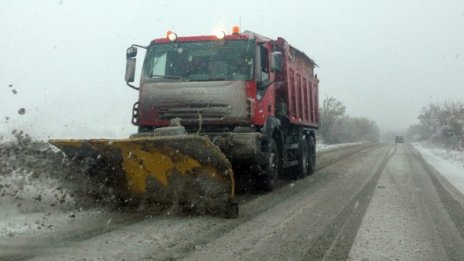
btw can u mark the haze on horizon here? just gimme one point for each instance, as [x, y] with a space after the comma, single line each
[384, 60]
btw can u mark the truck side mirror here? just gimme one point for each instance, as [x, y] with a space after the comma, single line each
[131, 52]
[130, 69]
[276, 61]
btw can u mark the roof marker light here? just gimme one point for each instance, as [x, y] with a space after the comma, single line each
[235, 29]
[220, 35]
[171, 36]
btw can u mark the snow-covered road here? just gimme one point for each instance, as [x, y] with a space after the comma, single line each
[364, 202]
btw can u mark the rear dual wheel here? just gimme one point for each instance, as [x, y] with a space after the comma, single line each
[307, 156]
[312, 156]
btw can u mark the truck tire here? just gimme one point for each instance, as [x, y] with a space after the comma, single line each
[266, 179]
[312, 155]
[303, 167]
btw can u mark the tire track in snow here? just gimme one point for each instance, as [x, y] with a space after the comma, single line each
[336, 240]
[453, 207]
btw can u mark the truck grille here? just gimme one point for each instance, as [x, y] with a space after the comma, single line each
[214, 112]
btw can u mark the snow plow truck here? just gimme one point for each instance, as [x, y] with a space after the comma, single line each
[213, 112]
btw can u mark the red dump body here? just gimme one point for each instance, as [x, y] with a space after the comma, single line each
[302, 88]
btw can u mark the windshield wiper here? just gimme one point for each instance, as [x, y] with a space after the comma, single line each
[176, 77]
[211, 79]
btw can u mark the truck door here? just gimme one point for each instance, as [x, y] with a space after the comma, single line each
[264, 84]
[263, 74]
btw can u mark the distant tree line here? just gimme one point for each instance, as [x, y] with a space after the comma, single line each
[441, 123]
[337, 127]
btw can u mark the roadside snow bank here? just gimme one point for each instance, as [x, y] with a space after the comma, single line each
[449, 163]
[324, 147]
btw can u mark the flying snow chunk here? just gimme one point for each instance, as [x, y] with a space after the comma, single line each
[22, 111]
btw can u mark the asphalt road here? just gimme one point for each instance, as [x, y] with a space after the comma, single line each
[364, 202]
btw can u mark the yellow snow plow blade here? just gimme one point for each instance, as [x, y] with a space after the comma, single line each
[184, 169]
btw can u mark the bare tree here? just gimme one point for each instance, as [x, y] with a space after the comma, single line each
[441, 123]
[330, 111]
[336, 127]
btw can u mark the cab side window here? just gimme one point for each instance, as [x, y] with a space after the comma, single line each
[264, 53]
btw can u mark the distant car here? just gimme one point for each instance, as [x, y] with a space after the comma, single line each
[399, 139]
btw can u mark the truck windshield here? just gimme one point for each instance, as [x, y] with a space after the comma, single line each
[200, 61]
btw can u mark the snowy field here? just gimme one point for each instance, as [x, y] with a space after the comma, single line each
[448, 162]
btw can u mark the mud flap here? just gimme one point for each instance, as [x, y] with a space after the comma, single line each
[187, 170]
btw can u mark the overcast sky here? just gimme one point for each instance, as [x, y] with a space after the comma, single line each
[66, 59]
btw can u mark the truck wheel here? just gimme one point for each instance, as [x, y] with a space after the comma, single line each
[267, 178]
[303, 159]
[312, 155]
